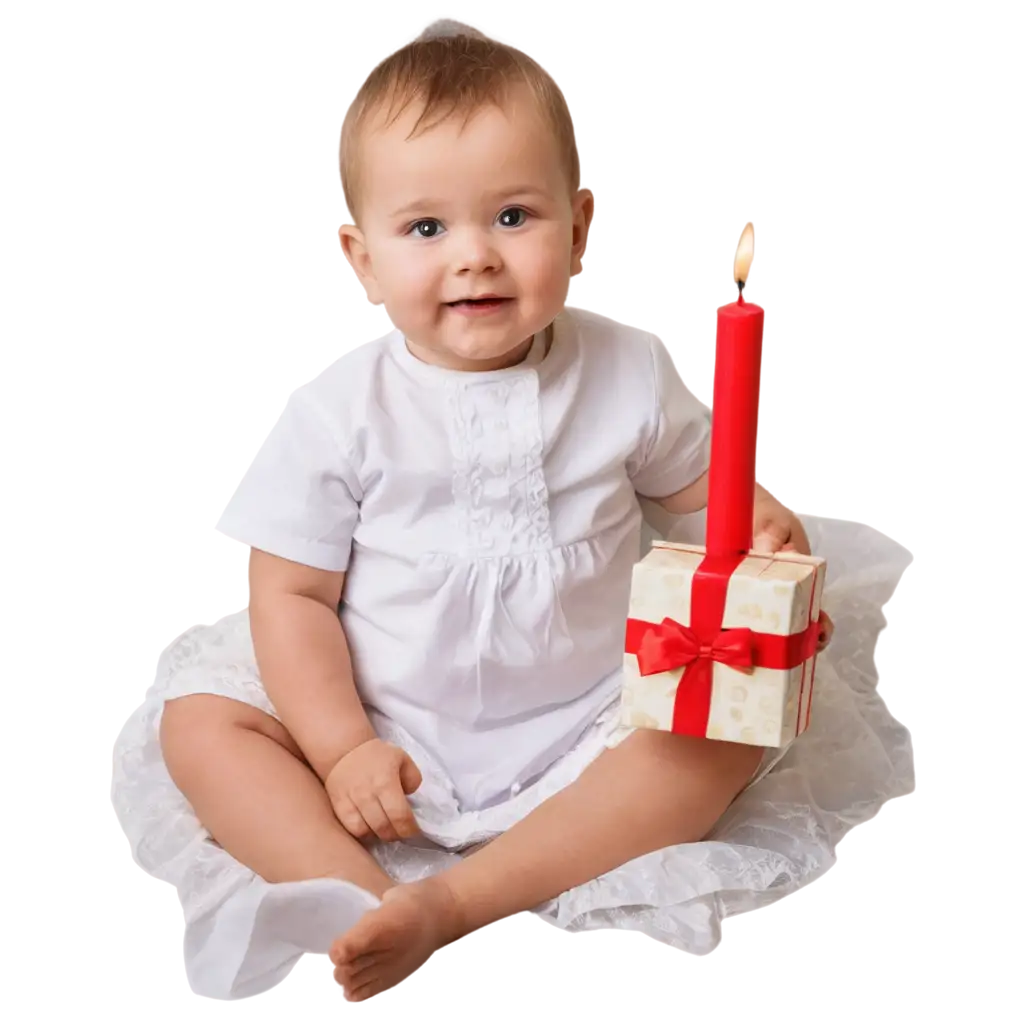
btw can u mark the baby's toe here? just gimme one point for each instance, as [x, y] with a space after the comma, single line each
[347, 949]
[363, 989]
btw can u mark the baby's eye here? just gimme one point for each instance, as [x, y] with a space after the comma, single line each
[428, 223]
[512, 210]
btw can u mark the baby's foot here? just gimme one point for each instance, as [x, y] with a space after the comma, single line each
[389, 943]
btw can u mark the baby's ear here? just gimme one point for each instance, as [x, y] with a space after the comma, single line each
[582, 215]
[354, 248]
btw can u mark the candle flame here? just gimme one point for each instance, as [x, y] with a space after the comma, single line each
[744, 256]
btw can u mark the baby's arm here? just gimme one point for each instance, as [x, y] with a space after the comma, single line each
[306, 669]
[690, 499]
[303, 658]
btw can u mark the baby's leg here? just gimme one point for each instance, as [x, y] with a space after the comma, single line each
[249, 785]
[654, 790]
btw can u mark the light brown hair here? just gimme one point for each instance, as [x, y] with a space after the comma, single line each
[452, 69]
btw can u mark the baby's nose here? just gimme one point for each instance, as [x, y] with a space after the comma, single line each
[477, 251]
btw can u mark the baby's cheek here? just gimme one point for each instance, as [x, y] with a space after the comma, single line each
[414, 299]
[549, 274]
[418, 286]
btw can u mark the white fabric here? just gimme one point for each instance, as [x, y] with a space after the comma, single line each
[488, 523]
[244, 935]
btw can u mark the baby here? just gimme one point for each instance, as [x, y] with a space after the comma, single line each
[442, 528]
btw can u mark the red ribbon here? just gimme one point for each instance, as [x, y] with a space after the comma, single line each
[660, 647]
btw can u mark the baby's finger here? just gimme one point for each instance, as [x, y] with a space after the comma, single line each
[409, 775]
[769, 540]
[377, 818]
[826, 628]
[396, 805]
[352, 821]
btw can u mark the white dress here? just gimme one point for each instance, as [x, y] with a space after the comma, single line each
[487, 524]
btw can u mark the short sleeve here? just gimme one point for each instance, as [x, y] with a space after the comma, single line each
[678, 436]
[300, 497]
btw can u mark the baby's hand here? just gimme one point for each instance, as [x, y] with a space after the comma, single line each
[776, 528]
[368, 788]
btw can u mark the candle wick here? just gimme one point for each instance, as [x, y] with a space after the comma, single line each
[740, 299]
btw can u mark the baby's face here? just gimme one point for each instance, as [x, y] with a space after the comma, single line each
[449, 216]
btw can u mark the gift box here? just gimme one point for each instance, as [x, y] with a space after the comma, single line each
[722, 646]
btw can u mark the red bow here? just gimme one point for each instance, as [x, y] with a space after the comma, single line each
[672, 645]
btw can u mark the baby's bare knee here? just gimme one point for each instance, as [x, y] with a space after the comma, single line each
[187, 724]
[193, 727]
[654, 746]
[183, 716]
[658, 751]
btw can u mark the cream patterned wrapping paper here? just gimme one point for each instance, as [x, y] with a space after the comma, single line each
[776, 594]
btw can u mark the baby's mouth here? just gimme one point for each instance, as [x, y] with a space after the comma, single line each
[477, 302]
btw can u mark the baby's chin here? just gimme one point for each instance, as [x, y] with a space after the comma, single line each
[474, 354]
[475, 348]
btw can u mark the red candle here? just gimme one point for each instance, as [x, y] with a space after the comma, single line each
[734, 416]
